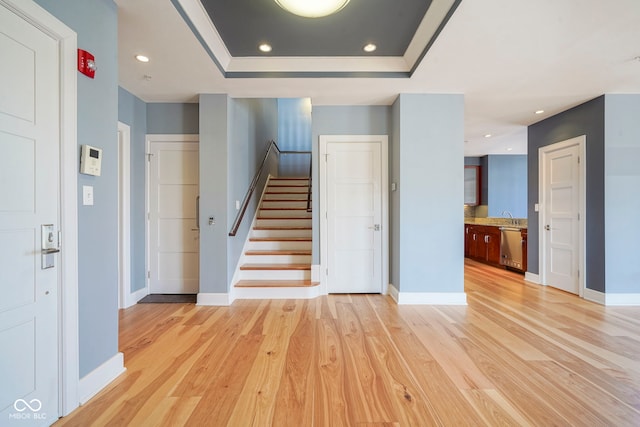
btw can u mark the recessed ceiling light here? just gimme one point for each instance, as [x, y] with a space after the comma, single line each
[509, 149]
[539, 111]
[265, 47]
[142, 58]
[370, 47]
[312, 8]
[488, 135]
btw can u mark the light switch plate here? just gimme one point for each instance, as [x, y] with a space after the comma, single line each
[87, 195]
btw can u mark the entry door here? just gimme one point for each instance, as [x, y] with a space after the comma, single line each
[561, 203]
[29, 197]
[174, 239]
[354, 216]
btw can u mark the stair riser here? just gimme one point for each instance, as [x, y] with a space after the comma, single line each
[289, 196]
[283, 213]
[277, 259]
[278, 245]
[297, 189]
[281, 233]
[284, 222]
[275, 275]
[283, 205]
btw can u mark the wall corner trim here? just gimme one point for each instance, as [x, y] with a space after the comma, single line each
[532, 278]
[214, 299]
[594, 296]
[621, 300]
[393, 292]
[432, 298]
[99, 378]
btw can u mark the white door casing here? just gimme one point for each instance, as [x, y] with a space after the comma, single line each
[124, 219]
[34, 118]
[353, 213]
[562, 196]
[173, 232]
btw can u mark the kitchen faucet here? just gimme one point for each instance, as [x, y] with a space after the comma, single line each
[505, 213]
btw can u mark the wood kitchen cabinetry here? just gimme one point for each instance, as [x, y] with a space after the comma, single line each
[523, 234]
[482, 243]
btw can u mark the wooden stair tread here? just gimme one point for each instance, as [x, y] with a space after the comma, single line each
[275, 267]
[276, 228]
[284, 200]
[287, 185]
[275, 283]
[280, 239]
[283, 208]
[289, 178]
[283, 217]
[280, 252]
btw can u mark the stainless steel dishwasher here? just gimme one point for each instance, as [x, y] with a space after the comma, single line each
[511, 247]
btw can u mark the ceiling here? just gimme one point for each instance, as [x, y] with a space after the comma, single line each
[509, 58]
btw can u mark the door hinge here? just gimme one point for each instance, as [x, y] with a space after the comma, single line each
[148, 216]
[149, 156]
[327, 271]
[578, 159]
[148, 274]
[578, 216]
[326, 157]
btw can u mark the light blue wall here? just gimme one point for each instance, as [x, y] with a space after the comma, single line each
[214, 130]
[96, 23]
[294, 124]
[622, 201]
[430, 135]
[394, 196]
[341, 120]
[233, 137]
[507, 186]
[133, 112]
[172, 118]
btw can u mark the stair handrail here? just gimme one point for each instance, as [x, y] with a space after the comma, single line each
[254, 183]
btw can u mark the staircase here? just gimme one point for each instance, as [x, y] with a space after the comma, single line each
[277, 258]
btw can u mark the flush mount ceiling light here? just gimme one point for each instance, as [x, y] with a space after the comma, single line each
[312, 8]
[142, 58]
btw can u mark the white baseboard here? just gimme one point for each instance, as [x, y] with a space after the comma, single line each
[622, 299]
[214, 299]
[594, 296]
[532, 277]
[392, 291]
[432, 298]
[315, 273]
[99, 378]
[135, 296]
[278, 293]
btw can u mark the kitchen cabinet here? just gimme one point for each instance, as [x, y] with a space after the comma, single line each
[482, 243]
[472, 185]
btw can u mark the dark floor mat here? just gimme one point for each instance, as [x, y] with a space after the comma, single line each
[169, 298]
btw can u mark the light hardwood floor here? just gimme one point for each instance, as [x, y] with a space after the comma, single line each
[518, 354]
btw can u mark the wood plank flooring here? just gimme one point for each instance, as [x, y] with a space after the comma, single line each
[517, 355]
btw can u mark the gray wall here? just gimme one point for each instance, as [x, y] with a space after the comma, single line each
[233, 137]
[429, 134]
[294, 124]
[133, 112]
[96, 23]
[341, 120]
[586, 119]
[622, 184]
[507, 185]
[172, 118]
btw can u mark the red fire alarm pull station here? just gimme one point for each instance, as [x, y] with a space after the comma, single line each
[86, 63]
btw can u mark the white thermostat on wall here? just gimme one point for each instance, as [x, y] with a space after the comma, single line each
[90, 160]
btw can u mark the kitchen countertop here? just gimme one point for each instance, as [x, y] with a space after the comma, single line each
[521, 223]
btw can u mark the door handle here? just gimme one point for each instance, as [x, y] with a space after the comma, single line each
[197, 214]
[376, 227]
[50, 251]
[547, 227]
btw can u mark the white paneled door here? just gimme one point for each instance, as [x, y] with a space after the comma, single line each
[174, 236]
[29, 198]
[354, 216]
[561, 203]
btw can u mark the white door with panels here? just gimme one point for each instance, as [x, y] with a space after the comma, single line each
[561, 199]
[173, 234]
[29, 218]
[355, 221]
